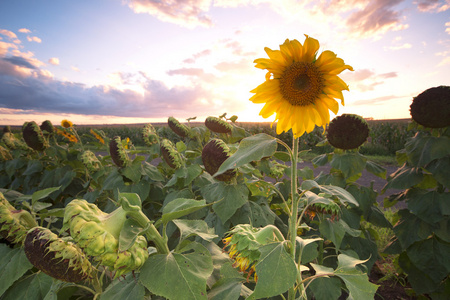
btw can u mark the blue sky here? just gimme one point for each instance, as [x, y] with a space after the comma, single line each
[134, 61]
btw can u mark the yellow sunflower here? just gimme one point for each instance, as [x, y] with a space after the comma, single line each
[66, 123]
[300, 88]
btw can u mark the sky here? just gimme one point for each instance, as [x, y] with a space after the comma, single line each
[142, 61]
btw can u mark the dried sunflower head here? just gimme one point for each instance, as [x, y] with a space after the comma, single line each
[149, 135]
[213, 155]
[33, 136]
[170, 154]
[117, 152]
[218, 125]
[431, 108]
[347, 131]
[180, 129]
[90, 161]
[47, 127]
[56, 257]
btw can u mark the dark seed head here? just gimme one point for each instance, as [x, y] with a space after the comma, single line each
[431, 108]
[180, 129]
[347, 131]
[33, 136]
[213, 155]
[218, 125]
[48, 127]
[170, 154]
[117, 152]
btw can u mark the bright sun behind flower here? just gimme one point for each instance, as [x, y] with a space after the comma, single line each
[300, 88]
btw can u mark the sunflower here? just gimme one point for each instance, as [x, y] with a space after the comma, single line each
[300, 88]
[66, 123]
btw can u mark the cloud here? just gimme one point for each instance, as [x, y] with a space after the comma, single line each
[375, 101]
[377, 17]
[11, 35]
[20, 61]
[54, 61]
[448, 27]
[190, 14]
[432, 6]
[76, 69]
[364, 80]
[34, 39]
[198, 55]
[404, 46]
[24, 30]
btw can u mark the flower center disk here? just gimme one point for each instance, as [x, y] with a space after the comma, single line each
[301, 83]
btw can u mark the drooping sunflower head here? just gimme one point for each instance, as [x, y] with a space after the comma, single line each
[213, 155]
[170, 154]
[300, 88]
[90, 161]
[347, 131]
[98, 134]
[431, 108]
[180, 129]
[218, 125]
[47, 126]
[117, 152]
[149, 135]
[33, 136]
[66, 123]
[56, 257]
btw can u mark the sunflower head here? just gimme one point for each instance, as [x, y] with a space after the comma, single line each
[149, 135]
[431, 108]
[99, 135]
[66, 123]
[33, 136]
[213, 155]
[90, 161]
[242, 244]
[180, 129]
[300, 88]
[218, 125]
[47, 127]
[5, 154]
[347, 131]
[170, 154]
[55, 256]
[7, 129]
[117, 152]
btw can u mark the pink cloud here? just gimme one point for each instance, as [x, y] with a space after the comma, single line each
[54, 61]
[34, 39]
[24, 30]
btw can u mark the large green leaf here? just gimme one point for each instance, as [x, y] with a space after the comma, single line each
[33, 287]
[127, 288]
[229, 286]
[333, 231]
[178, 275]
[376, 169]
[326, 288]
[276, 271]
[152, 172]
[427, 204]
[340, 193]
[307, 248]
[357, 282]
[250, 149]
[440, 168]
[13, 264]
[404, 178]
[34, 166]
[180, 207]
[421, 282]
[410, 228]
[258, 214]
[423, 149]
[350, 164]
[228, 198]
[133, 171]
[194, 227]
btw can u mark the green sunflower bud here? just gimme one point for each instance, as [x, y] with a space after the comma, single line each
[431, 108]
[47, 127]
[14, 223]
[180, 129]
[5, 154]
[347, 131]
[243, 242]
[55, 256]
[170, 154]
[149, 135]
[213, 155]
[97, 233]
[117, 152]
[331, 208]
[90, 161]
[33, 136]
[218, 125]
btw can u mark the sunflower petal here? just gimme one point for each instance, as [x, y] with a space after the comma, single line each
[310, 48]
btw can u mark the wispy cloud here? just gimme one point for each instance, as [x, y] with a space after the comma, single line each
[364, 80]
[54, 61]
[34, 39]
[189, 14]
[432, 6]
[8, 33]
[24, 30]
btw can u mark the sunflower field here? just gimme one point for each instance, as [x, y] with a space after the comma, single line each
[218, 211]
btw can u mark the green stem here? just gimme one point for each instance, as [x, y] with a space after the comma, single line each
[294, 209]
